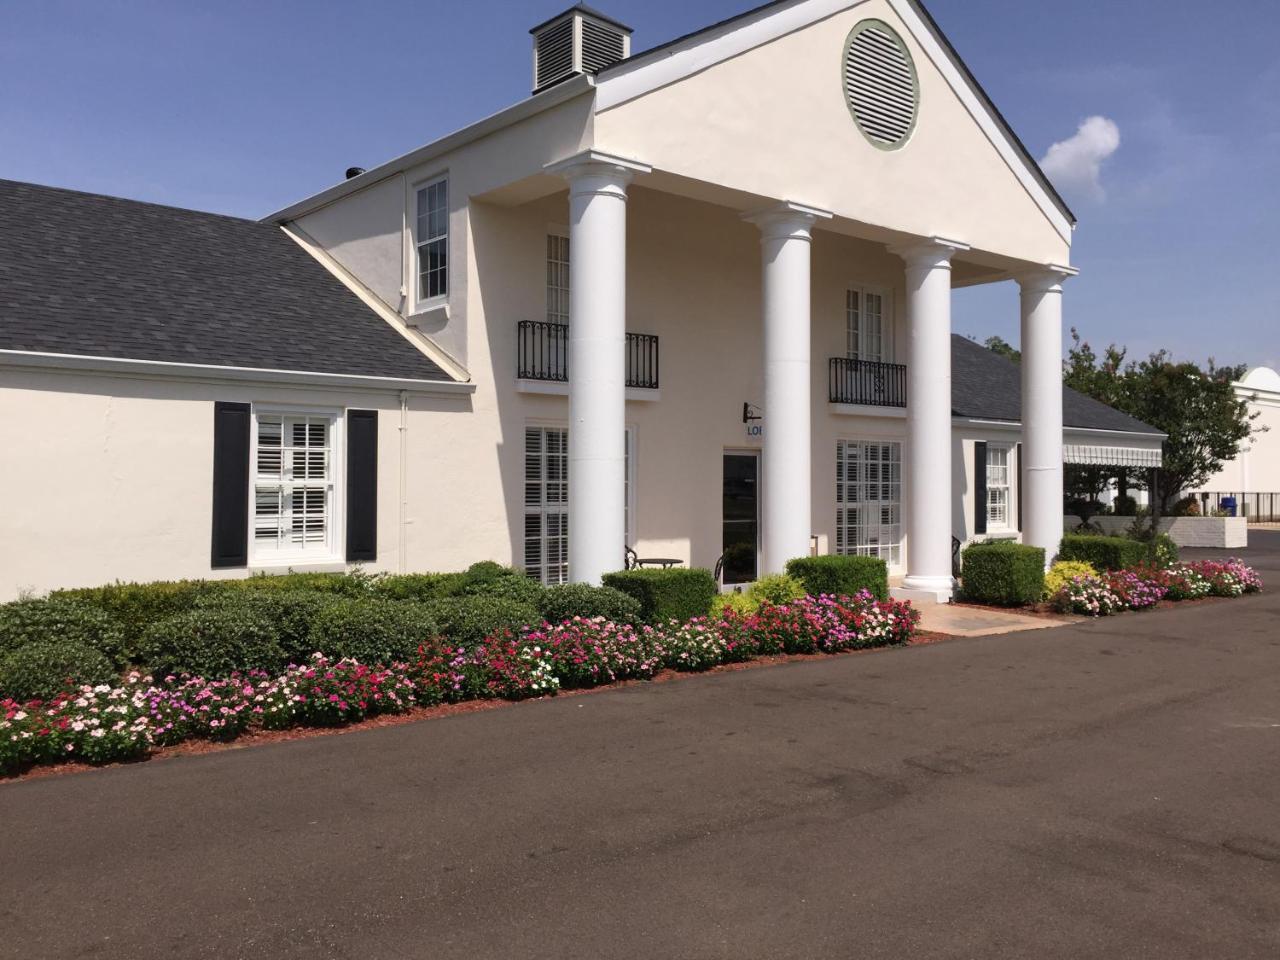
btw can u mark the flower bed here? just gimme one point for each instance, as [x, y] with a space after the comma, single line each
[127, 720]
[1141, 588]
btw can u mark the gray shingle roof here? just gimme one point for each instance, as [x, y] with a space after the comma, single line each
[102, 276]
[986, 386]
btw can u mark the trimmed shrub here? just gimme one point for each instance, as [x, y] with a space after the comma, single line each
[776, 588]
[1104, 553]
[139, 605]
[60, 620]
[569, 600]
[374, 632]
[293, 612]
[841, 576]
[487, 579]
[1063, 572]
[736, 602]
[214, 642]
[677, 593]
[466, 621]
[44, 669]
[1005, 574]
[354, 584]
[418, 586]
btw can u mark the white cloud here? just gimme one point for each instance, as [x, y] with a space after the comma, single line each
[1075, 164]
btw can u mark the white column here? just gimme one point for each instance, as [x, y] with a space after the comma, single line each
[597, 360]
[928, 448]
[786, 493]
[1042, 408]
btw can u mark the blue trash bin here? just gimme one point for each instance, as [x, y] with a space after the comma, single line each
[1228, 504]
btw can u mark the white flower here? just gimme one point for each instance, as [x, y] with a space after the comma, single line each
[97, 733]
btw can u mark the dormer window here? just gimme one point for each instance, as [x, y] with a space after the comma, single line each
[432, 240]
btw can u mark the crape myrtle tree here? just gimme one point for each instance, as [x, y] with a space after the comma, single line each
[1197, 408]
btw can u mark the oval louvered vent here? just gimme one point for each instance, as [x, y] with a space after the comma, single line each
[880, 84]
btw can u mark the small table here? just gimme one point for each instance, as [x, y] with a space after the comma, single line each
[663, 562]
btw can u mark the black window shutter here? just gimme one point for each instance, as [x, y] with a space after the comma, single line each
[231, 429]
[979, 486]
[362, 485]
[1017, 478]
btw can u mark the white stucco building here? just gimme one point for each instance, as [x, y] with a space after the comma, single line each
[547, 337]
[1253, 477]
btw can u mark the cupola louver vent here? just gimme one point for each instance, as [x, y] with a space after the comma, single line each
[580, 40]
[880, 84]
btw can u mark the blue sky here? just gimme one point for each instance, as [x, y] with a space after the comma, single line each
[241, 107]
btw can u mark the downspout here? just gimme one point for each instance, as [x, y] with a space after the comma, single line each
[404, 479]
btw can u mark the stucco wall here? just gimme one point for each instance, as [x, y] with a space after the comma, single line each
[369, 232]
[115, 479]
[1256, 469]
[1227, 533]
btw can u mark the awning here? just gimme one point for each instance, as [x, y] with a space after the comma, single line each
[1090, 455]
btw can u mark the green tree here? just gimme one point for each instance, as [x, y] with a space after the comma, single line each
[1197, 408]
[1001, 346]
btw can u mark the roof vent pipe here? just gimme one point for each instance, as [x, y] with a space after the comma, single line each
[580, 40]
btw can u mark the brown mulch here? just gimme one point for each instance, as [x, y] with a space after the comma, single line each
[1042, 610]
[259, 737]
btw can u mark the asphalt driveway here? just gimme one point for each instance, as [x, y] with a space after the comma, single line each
[1105, 790]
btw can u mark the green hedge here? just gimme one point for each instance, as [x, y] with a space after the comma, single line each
[418, 586]
[292, 612]
[1105, 553]
[214, 642]
[47, 667]
[1005, 574]
[373, 631]
[674, 594]
[139, 605]
[469, 620]
[569, 600]
[60, 619]
[841, 576]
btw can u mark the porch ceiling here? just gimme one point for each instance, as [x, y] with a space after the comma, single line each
[970, 268]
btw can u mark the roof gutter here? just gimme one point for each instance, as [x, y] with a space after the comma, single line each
[212, 373]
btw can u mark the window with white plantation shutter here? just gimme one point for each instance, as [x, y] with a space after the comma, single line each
[998, 486]
[546, 501]
[880, 84]
[869, 499]
[293, 488]
[546, 504]
[867, 338]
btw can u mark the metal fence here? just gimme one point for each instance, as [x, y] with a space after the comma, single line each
[867, 382]
[543, 354]
[1257, 507]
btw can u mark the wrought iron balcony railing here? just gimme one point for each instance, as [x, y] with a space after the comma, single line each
[867, 382]
[543, 354]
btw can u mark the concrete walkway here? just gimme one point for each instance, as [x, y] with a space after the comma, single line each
[965, 621]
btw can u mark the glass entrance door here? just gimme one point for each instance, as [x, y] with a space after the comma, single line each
[741, 513]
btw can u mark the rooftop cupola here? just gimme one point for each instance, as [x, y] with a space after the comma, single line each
[580, 40]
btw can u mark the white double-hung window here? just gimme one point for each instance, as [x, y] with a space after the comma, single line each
[998, 486]
[431, 239]
[557, 278]
[869, 499]
[294, 487]
[866, 324]
[546, 501]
